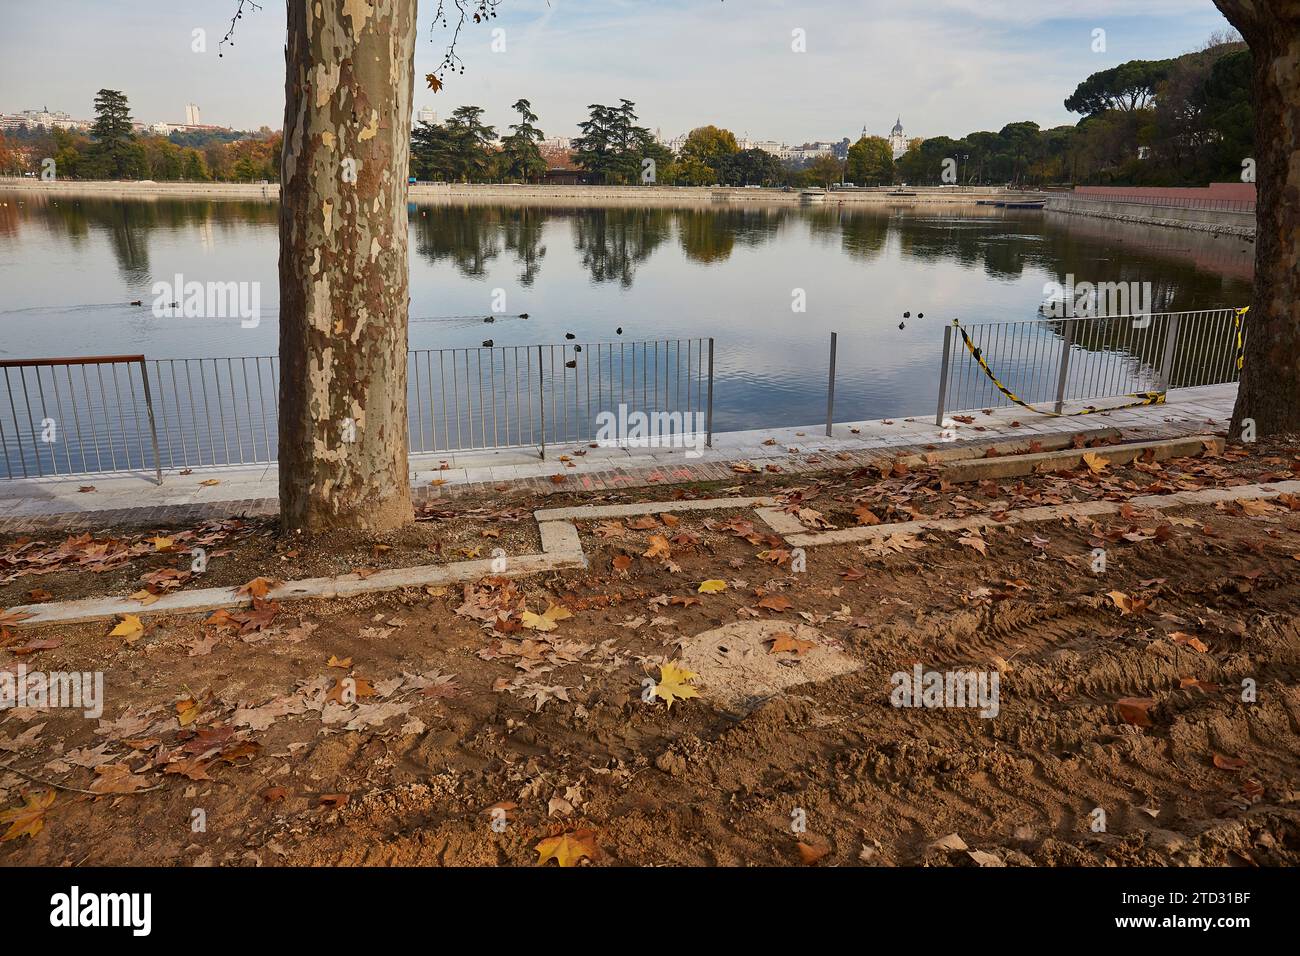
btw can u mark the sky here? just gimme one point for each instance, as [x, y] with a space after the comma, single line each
[946, 67]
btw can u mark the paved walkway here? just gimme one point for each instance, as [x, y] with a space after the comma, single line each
[135, 499]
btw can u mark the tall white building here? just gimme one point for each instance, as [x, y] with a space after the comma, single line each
[192, 115]
[897, 139]
[427, 115]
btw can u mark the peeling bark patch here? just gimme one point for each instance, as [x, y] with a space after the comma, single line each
[359, 11]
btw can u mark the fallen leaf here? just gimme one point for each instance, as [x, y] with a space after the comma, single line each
[1135, 710]
[712, 586]
[547, 620]
[129, 628]
[1096, 464]
[568, 848]
[788, 642]
[674, 683]
[29, 819]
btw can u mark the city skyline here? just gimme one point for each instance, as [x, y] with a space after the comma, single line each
[567, 54]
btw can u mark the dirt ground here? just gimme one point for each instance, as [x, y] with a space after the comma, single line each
[1148, 713]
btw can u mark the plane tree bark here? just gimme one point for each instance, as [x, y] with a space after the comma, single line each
[343, 264]
[1270, 382]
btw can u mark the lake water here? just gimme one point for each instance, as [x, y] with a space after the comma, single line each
[70, 267]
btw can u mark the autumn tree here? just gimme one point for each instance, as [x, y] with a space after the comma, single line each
[343, 264]
[1269, 393]
[871, 161]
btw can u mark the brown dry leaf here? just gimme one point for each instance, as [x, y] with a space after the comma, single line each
[776, 602]
[865, 515]
[1126, 604]
[1228, 763]
[86, 489]
[117, 778]
[333, 800]
[38, 595]
[192, 768]
[335, 661]
[810, 853]
[31, 647]
[210, 482]
[259, 587]
[610, 529]
[788, 642]
[1136, 710]
[1178, 637]
[644, 523]
[974, 541]
[275, 794]
[29, 819]
[568, 848]
[10, 618]
[621, 562]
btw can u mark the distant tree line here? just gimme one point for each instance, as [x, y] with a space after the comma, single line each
[1182, 121]
[1177, 122]
[111, 149]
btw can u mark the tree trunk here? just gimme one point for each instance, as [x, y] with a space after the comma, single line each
[1270, 381]
[343, 264]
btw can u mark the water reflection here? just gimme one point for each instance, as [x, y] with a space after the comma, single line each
[70, 268]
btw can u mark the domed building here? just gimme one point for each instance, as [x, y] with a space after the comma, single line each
[897, 139]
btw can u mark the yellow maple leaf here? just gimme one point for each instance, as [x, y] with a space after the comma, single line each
[712, 586]
[674, 683]
[129, 628]
[29, 819]
[546, 621]
[568, 848]
[1096, 464]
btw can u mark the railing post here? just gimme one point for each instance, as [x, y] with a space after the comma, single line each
[153, 427]
[830, 387]
[708, 441]
[943, 375]
[1167, 360]
[1067, 340]
[541, 401]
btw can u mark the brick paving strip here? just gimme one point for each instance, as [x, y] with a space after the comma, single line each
[54, 504]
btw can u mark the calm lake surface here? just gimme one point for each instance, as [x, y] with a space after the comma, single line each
[70, 267]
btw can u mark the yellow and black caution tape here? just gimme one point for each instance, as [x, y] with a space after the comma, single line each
[1238, 315]
[1143, 398]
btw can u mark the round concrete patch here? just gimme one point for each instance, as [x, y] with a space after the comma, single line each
[737, 670]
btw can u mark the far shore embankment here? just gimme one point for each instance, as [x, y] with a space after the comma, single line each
[507, 193]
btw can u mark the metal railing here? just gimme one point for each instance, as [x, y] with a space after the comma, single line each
[51, 407]
[121, 413]
[1086, 359]
[535, 395]
[1180, 202]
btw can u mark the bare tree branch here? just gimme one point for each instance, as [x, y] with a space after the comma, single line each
[239, 15]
